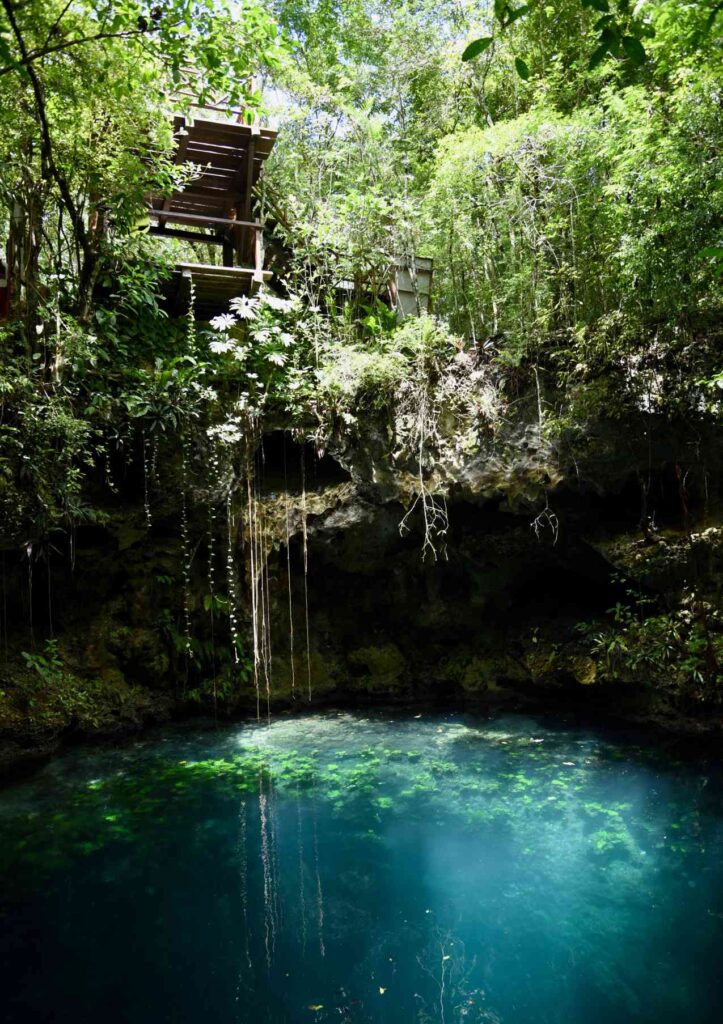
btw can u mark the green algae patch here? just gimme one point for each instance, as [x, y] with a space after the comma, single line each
[479, 778]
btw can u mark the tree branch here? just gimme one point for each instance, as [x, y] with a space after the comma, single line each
[56, 23]
[30, 56]
[47, 153]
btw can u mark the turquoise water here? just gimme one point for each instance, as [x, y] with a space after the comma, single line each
[364, 868]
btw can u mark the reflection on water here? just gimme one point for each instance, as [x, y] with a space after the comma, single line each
[359, 868]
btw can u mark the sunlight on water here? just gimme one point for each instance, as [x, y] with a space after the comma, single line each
[365, 868]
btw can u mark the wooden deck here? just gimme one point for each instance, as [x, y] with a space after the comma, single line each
[216, 207]
[214, 287]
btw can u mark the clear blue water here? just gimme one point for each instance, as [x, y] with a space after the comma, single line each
[364, 868]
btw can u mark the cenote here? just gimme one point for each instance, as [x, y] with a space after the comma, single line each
[365, 867]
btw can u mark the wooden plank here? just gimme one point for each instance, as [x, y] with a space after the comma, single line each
[223, 172]
[188, 236]
[215, 269]
[212, 170]
[197, 218]
[213, 198]
[224, 160]
[203, 127]
[182, 200]
[216, 149]
[231, 129]
[231, 136]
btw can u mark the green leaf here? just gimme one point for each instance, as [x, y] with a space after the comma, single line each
[522, 69]
[518, 12]
[501, 7]
[598, 56]
[634, 49]
[610, 35]
[598, 5]
[610, 38]
[477, 47]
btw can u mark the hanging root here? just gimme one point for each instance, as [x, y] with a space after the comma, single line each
[232, 581]
[434, 510]
[254, 593]
[317, 871]
[185, 541]
[302, 889]
[546, 520]
[436, 523]
[265, 592]
[288, 577]
[268, 880]
[214, 467]
[243, 879]
[146, 475]
[306, 571]
[186, 552]
[259, 548]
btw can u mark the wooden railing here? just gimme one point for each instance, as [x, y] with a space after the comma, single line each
[248, 244]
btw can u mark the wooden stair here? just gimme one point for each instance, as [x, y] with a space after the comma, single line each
[216, 207]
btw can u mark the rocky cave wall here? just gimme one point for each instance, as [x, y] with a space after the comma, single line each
[493, 618]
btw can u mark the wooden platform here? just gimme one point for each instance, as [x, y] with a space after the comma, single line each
[215, 286]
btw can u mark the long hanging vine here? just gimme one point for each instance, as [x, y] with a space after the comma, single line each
[185, 552]
[243, 881]
[266, 604]
[146, 483]
[231, 579]
[306, 570]
[302, 886]
[259, 584]
[257, 657]
[185, 538]
[418, 409]
[213, 465]
[288, 577]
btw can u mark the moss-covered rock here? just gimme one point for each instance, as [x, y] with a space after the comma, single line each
[381, 668]
[584, 669]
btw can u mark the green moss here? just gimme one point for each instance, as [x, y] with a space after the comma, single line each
[383, 667]
[480, 672]
[583, 669]
[44, 699]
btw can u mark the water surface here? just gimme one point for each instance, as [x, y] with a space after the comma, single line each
[364, 868]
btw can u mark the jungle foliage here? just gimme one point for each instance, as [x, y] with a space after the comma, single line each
[565, 177]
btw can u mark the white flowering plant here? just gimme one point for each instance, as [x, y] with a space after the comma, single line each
[256, 342]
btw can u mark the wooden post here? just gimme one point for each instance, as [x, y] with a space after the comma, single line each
[258, 255]
[246, 245]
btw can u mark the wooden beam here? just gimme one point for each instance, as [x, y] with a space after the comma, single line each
[197, 218]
